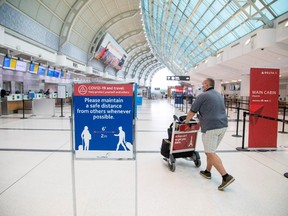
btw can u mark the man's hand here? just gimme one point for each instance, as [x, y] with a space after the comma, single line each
[187, 127]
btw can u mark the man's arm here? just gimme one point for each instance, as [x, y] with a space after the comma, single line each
[190, 115]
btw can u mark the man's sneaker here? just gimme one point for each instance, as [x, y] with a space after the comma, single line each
[229, 180]
[205, 174]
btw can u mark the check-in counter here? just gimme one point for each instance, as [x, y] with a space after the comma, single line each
[14, 102]
[45, 106]
[39, 96]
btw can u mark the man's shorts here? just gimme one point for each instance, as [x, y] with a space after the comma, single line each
[212, 138]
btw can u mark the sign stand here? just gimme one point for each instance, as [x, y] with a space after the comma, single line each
[61, 93]
[61, 108]
[103, 125]
[23, 103]
[73, 182]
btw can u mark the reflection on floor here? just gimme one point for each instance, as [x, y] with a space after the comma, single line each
[39, 176]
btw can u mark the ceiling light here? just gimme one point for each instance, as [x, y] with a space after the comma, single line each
[247, 42]
[286, 24]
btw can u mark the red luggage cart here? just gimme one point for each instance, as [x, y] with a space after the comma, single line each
[181, 142]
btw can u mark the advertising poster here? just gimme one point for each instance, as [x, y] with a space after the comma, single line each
[264, 91]
[111, 53]
[179, 94]
[185, 140]
[103, 121]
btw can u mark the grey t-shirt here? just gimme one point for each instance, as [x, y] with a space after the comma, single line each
[211, 110]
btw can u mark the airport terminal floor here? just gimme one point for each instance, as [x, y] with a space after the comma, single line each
[39, 176]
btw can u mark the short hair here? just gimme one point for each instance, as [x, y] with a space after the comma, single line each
[210, 81]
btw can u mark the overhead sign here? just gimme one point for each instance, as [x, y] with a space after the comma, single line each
[178, 78]
[103, 120]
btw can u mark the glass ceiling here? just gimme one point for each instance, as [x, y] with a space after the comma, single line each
[182, 33]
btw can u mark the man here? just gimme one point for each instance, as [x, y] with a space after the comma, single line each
[213, 121]
[3, 93]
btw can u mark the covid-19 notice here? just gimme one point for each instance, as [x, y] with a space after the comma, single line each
[103, 120]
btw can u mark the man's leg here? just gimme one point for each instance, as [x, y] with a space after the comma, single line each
[211, 140]
[214, 160]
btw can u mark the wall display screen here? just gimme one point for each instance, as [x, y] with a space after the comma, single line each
[63, 74]
[111, 53]
[33, 68]
[9, 63]
[56, 73]
[68, 75]
[41, 70]
[50, 72]
[21, 65]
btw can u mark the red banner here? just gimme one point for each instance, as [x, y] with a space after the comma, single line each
[186, 138]
[179, 89]
[88, 89]
[264, 91]
[184, 141]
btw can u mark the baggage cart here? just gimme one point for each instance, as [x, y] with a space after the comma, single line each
[181, 142]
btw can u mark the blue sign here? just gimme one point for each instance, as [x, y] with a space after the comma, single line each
[103, 120]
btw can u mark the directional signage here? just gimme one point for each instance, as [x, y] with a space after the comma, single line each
[178, 78]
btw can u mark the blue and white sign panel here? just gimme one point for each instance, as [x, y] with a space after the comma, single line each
[103, 121]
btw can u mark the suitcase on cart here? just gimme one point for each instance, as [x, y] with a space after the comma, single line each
[181, 142]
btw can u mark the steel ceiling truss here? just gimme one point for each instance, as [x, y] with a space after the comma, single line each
[146, 67]
[132, 59]
[183, 36]
[143, 60]
[155, 67]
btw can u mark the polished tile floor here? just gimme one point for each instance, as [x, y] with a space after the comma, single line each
[39, 176]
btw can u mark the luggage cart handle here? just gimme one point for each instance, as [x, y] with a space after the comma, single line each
[175, 118]
[183, 121]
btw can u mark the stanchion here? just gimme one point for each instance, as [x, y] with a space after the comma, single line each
[227, 108]
[231, 104]
[243, 134]
[237, 124]
[61, 108]
[23, 108]
[283, 123]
